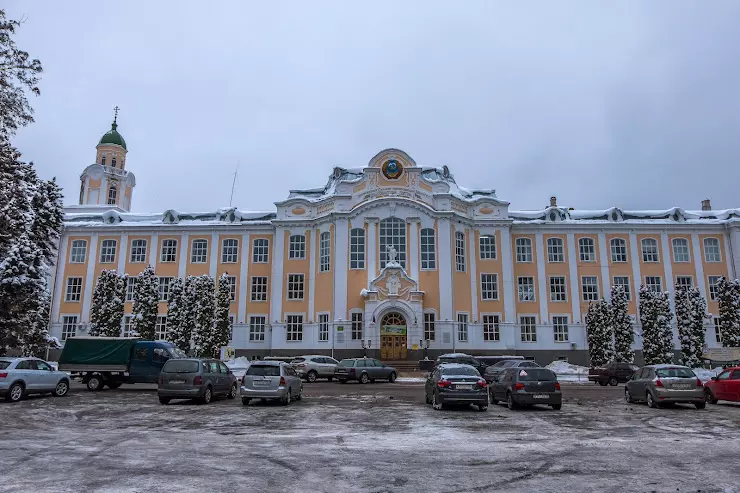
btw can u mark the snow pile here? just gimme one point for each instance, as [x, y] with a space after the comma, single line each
[238, 366]
[411, 380]
[705, 375]
[565, 368]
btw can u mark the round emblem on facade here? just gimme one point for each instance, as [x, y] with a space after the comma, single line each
[392, 169]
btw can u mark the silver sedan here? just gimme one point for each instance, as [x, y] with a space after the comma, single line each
[23, 376]
[665, 384]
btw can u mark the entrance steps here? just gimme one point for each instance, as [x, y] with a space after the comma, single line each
[404, 365]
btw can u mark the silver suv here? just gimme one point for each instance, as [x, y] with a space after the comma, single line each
[23, 376]
[313, 366]
[272, 380]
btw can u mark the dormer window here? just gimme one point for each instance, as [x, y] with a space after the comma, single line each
[102, 160]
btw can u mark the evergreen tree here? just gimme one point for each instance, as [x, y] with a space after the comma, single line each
[222, 332]
[657, 335]
[684, 325]
[179, 330]
[146, 301]
[37, 340]
[699, 314]
[48, 216]
[729, 311]
[202, 299]
[621, 323]
[106, 311]
[599, 334]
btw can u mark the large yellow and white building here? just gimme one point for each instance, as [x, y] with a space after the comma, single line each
[393, 256]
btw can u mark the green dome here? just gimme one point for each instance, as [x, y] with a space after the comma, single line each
[113, 137]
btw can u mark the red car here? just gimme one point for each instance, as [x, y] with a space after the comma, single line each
[725, 386]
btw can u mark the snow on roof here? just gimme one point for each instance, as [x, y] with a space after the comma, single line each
[113, 217]
[615, 214]
[339, 175]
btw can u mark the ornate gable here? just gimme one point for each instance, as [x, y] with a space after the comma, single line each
[393, 283]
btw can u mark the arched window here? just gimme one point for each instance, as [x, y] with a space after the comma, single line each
[587, 249]
[680, 250]
[393, 318]
[102, 160]
[649, 250]
[113, 162]
[393, 233]
[297, 247]
[619, 250]
[112, 195]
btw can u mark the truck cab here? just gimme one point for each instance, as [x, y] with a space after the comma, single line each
[148, 359]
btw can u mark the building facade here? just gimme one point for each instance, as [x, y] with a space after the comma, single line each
[393, 260]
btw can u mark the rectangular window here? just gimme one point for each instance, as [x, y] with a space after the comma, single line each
[587, 249]
[231, 280]
[428, 249]
[526, 288]
[684, 282]
[429, 331]
[619, 250]
[257, 328]
[130, 288]
[325, 252]
[654, 283]
[294, 328]
[297, 247]
[108, 252]
[490, 328]
[523, 250]
[69, 326]
[717, 330]
[711, 250]
[357, 248]
[164, 288]
[160, 329]
[555, 250]
[528, 327]
[557, 289]
[623, 281]
[169, 251]
[259, 288]
[392, 234]
[260, 250]
[138, 251]
[230, 251]
[489, 287]
[128, 326]
[712, 283]
[459, 251]
[74, 289]
[650, 250]
[462, 327]
[590, 288]
[199, 253]
[295, 286]
[323, 327]
[357, 323]
[487, 247]
[680, 250]
[560, 328]
[78, 252]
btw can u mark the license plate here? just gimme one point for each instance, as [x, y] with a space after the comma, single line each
[541, 396]
[261, 383]
[177, 381]
[464, 387]
[683, 386]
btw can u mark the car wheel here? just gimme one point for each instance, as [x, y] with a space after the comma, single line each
[61, 389]
[392, 377]
[15, 392]
[710, 397]
[650, 400]
[245, 401]
[510, 401]
[436, 405]
[311, 377]
[329, 378]
[482, 406]
[286, 399]
[613, 381]
[427, 400]
[164, 400]
[300, 395]
[602, 383]
[364, 378]
[628, 397]
[491, 398]
[207, 396]
[95, 383]
[557, 407]
[232, 394]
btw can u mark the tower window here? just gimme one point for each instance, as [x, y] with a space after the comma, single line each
[112, 195]
[102, 160]
[113, 162]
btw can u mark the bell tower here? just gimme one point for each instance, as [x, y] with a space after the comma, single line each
[107, 184]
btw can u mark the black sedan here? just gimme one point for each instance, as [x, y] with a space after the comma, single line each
[526, 386]
[454, 383]
[492, 373]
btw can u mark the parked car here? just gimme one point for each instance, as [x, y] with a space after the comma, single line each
[195, 378]
[725, 386]
[665, 384]
[364, 370]
[24, 376]
[612, 373]
[454, 383]
[311, 367]
[271, 380]
[525, 386]
[462, 359]
[492, 360]
[492, 373]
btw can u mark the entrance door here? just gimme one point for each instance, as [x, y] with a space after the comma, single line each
[393, 337]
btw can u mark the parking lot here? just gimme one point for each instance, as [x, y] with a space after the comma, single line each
[368, 438]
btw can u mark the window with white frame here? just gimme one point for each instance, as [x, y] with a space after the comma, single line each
[108, 251]
[357, 323]
[619, 250]
[428, 249]
[489, 287]
[683, 282]
[138, 251]
[459, 251]
[128, 325]
[555, 250]
[357, 248]
[712, 282]
[259, 288]
[324, 252]
[654, 283]
[257, 328]
[717, 329]
[711, 250]
[74, 289]
[590, 288]
[526, 288]
[462, 327]
[490, 328]
[295, 286]
[587, 249]
[231, 281]
[169, 250]
[487, 247]
[130, 288]
[680, 250]
[429, 331]
[78, 252]
[294, 328]
[323, 327]
[69, 326]
[650, 250]
[164, 288]
[199, 251]
[528, 328]
[229, 251]
[624, 282]
[160, 328]
[523, 250]
[112, 195]
[260, 250]
[560, 328]
[557, 289]
[392, 233]
[297, 247]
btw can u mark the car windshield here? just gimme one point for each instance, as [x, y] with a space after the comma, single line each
[347, 362]
[504, 364]
[674, 372]
[176, 352]
[180, 366]
[536, 375]
[298, 360]
[264, 370]
[4, 364]
[459, 370]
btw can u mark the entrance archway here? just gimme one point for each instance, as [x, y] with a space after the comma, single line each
[393, 336]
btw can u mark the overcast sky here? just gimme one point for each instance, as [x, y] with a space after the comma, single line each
[633, 104]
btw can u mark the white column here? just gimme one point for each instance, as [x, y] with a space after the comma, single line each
[541, 279]
[182, 266]
[414, 248]
[575, 299]
[89, 279]
[315, 235]
[507, 268]
[103, 193]
[728, 256]
[667, 267]
[604, 264]
[444, 264]
[214, 255]
[701, 283]
[59, 279]
[473, 277]
[341, 258]
[276, 276]
[122, 252]
[372, 254]
[241, 315]
[733, 240]
[636, 275]
[153, 248]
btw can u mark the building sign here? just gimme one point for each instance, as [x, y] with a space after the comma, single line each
[394, 192]
[393, 330]
[722, 354]
[340, 329]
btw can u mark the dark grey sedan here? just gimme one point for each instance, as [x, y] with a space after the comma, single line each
[364, 370]
[454, 383]
[492, 373]
[195, 378]
[526, 386]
